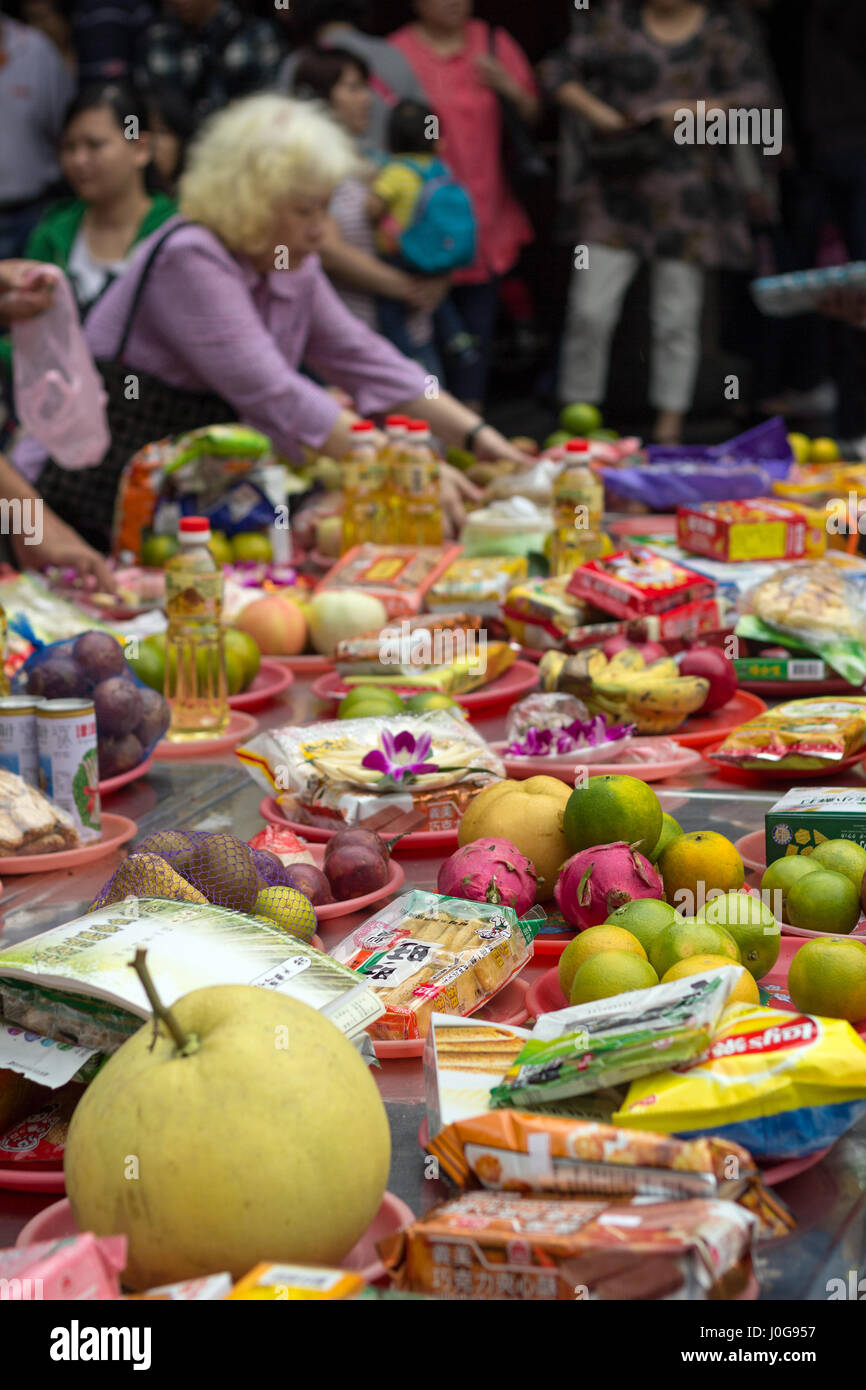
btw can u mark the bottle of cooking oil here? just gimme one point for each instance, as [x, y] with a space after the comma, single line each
[578, 507]
[365, 489]
[396, 427]
[419, 509]
[195, 668]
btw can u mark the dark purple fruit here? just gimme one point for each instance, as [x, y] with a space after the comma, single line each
[118, 706]
[354, 870]
[310, 881]
[58, 678]
[99, 655]
[155, 717]
[118, 755]
[358, 836]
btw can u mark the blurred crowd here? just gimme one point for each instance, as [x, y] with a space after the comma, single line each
[486, 186]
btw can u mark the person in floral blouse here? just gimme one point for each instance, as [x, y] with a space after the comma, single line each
[629, 72]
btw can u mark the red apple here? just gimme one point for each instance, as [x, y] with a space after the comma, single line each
[714, 666]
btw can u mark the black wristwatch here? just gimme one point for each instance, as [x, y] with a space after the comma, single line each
[470, 434]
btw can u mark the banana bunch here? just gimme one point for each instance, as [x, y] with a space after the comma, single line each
[655, 697]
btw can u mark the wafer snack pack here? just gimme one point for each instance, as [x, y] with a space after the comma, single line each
[800, 734]
[488, 1245]
[781, 1083]
[425, 953]
[610, 1041]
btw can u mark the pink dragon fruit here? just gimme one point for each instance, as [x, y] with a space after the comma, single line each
[490, 871]
[594, 883]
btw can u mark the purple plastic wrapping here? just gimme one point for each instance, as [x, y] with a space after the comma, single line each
[745, 466]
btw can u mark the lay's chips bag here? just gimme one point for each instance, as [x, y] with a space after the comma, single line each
[782, 1084]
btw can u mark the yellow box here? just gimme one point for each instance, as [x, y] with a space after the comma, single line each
[289, 1283]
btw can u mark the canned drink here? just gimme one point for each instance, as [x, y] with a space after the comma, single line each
[68, 761]
[19, 751]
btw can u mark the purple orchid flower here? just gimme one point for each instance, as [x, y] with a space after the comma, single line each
[388, 763]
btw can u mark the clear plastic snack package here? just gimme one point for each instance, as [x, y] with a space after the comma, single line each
[799, 735]
[426, 953]
[613, 1040]
[816, 608]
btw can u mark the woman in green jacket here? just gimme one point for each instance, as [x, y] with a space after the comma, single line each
[105, 149]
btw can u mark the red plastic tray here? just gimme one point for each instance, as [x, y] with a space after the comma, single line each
[753, 776]
[564, 766]
[702, 729]
[116, 830]
[329, 911]
[520, 678]
[241, 726]
[442, 840]
[305, 666]
[271, 679]
[107, 785]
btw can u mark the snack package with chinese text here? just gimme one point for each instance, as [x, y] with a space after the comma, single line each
[489, 1245]
[516, 1151]
[425, 953]
[818, 608]
[780, 1083]
[798, 735]
[613, 1040]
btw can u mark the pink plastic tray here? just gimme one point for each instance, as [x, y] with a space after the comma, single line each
[116, 830]
[752, 850]
[545, 996]
[329, 911]
[112, 784]
[56, 1223]
[510, 1005]
[270, 681]
[702, 729]
[565, 765]
[416, 840]
[305, 666]
[241, 726]
[15, 1179]
[520, 678]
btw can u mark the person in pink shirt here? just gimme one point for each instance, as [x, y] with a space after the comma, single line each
[462, 72]
[222, 308]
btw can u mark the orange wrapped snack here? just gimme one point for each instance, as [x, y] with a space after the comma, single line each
[486, 1245]
[800, 734]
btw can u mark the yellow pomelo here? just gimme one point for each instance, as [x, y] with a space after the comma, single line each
[589, 943]
[828, 978]
[529, 814]
[611, 972]
[745, 991]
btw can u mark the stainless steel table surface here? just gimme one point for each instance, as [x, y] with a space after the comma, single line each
[827, 1200]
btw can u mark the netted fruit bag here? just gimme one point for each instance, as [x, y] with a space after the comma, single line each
[130, 717]
[196, 866]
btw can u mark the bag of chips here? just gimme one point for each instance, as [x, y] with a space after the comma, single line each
[800, 734]
[783, 1085]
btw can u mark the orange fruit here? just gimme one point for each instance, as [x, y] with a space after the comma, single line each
[695, 863]
[745, 990]
[589, 943]
[688, 937]
[828, 978]
[611, 972]
[611, 808]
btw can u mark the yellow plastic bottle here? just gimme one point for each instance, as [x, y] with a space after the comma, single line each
[417, 480]
[195, 668]
[366, 513]
[578, 509]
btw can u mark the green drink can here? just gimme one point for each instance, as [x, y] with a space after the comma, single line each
[69, 762]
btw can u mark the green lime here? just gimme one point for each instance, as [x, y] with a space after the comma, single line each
[753, 927]
[148, 663]
[611, 972]
[155, 550]
[430, 699]
[580, 418]
[611, 808]
[644, 918]
[779, 878]
[243, 649]
[670, 830]
[558, 437]
[690, 937]
[824, 901]
[843, 857]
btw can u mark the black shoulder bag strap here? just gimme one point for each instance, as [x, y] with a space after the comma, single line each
[140, 287]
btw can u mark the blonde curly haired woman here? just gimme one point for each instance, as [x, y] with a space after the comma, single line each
[223, 305]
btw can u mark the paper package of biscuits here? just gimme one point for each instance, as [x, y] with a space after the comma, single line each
[516, 1151]
[817, 608]
[29, 822]
[799, 735]
[425, 953]
[489, 1245]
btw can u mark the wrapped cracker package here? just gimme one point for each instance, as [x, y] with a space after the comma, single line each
[322, 775]
[494, 1245]
[425, 953]
[609, 1041]
[817, 608]
[798, 735]
[516, 1151]
[781, 1083]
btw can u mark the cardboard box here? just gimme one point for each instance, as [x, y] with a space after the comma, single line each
[805, 816]
[755, 528]
[635, 582]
